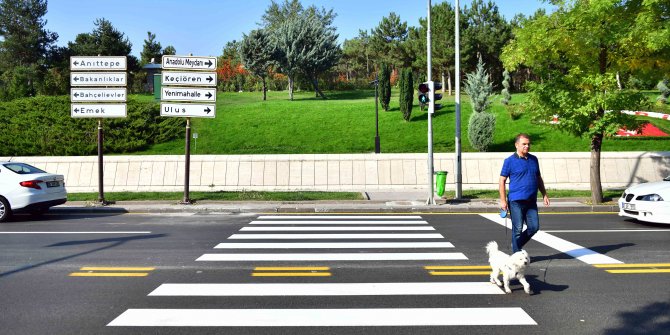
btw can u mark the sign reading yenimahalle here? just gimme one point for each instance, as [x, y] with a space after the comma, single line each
[188, 94]
[170, 62]
[188, 110]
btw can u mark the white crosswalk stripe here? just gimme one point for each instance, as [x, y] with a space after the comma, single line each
[373, 238]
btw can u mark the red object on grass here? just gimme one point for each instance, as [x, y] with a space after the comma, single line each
[648, 130]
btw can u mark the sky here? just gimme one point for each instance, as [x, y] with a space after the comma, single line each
[203, 27]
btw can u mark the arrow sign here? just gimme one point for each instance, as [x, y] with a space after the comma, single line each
[188, 110]
[171, 62]
[188, 94]
[93, 63]
[98, 79]
[97, 110]
[98, 94]
[189, 78]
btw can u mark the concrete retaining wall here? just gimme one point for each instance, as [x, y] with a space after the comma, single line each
[346, 172]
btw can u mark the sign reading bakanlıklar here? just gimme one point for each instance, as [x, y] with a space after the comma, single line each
[194, 71]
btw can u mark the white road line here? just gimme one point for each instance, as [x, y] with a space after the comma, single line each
[350, 317]
[334, 245]
[340, 222]
[266, 217]
[334, 257]
[326, 289]
[322, 228]
[607, 231]
[329, 236]
[75, 232]
[585, 255]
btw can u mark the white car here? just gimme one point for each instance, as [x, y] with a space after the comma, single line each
[25, 188]
[649, 202]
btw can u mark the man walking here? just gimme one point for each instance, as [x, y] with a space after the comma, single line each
[523, 171]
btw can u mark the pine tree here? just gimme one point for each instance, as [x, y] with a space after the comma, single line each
[151, 50]
[406, 93]
[257, 52]
[384, 86]
[482, 124]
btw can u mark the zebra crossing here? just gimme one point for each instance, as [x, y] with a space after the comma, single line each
[302, 240]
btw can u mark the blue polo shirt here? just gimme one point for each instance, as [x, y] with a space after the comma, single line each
[523, 174]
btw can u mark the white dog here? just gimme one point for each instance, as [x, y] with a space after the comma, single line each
[510, 266]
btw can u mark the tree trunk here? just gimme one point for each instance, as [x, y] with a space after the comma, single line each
[596, 186]
[265, 89]
[290, 88]
[444, 84]
[618, 81]
[317, 91]
[449, 81]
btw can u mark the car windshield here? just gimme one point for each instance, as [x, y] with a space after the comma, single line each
[22, 168]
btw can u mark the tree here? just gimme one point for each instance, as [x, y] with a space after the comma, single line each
[105, 40]
[388, 41]
[324, 53]
[24, 46]
[482, 124]
[406, 93]
[290, 41]
[384, 86]
[169, 50]
[577, 50]
[484, 33]
[257, 52]
[662, 86]
[151, 50]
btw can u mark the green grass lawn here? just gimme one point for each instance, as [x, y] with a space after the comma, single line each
[345, 123]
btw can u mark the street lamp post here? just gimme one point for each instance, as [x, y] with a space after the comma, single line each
[377, 142]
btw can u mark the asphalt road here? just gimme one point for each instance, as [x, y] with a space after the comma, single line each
[145, 274]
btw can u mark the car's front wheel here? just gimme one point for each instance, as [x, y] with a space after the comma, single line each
[5, 210]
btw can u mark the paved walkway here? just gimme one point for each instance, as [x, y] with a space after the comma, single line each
[379, 202]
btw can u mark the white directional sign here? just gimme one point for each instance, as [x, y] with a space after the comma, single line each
[97, 110]
[188, 63]
[103, 63]
[188, 94]
[98, 94]
[98, 79]
[188, 110]
[189, 78]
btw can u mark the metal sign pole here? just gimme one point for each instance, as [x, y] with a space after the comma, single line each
[457, 142]
[431, 169]
[187, 165]
[377, 143]
[101, 192]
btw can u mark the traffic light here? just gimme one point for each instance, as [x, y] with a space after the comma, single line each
[428, 96]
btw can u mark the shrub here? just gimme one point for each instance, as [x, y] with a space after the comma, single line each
[505, 91]
[482, 124]
[384, 86]
[406, 93]
[42, 126]
[665, 92]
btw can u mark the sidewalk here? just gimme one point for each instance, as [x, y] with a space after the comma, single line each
[378, 202]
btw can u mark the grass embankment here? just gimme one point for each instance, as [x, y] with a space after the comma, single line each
[345, 123]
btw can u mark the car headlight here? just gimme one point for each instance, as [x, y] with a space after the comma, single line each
[651, 197]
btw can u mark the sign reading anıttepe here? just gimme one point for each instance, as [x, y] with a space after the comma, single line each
[98, 63]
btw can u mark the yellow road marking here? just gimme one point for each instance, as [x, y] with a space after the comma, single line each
[290, 274]
[96, 268]
[640, 271]
[109, 274]
[459, 273]
[295, 268]
[457, 267]
[640, 265]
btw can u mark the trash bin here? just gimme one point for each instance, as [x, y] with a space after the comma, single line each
[440, 181]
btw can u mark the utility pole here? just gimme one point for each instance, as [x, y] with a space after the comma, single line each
[457, 142]
[431, 169]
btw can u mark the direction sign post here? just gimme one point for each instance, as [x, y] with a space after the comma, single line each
[97, 94]
[188, 92]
